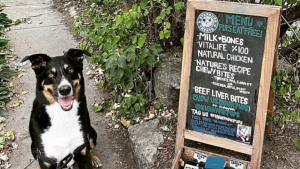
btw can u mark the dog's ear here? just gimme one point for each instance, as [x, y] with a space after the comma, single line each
[38, 62]
[77, 55]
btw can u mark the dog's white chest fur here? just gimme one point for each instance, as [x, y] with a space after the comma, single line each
[64, 134]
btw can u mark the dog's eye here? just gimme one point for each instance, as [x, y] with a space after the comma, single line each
[51, 75]
[70, 71]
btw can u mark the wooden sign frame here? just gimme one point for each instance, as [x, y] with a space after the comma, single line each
[270, 49]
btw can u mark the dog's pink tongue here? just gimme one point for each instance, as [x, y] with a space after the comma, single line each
[65, 101]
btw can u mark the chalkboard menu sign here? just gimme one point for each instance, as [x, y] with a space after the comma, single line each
[225, 74]
[229, 56]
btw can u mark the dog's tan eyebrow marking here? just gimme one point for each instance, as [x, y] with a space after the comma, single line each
[53, 70]
[66, 66]
[47, 94]
[76, 84]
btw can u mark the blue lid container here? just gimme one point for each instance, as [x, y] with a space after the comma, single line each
[215, 163]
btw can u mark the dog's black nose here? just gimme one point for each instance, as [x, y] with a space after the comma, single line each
[64, 90]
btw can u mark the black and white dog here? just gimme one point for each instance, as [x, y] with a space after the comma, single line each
[59, 125]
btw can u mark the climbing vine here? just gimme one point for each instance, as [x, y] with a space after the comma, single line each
[126, 38]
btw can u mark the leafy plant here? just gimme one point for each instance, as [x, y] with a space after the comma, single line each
[4, 21]
[286, 85]
[126, 39]
[5, 72]
[282, 2]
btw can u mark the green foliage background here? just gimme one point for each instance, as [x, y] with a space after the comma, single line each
[5, 72]
[126, 38]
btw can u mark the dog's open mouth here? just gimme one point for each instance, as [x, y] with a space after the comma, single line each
[66, 103]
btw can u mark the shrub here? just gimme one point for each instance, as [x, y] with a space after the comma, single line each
[126, 38]
[5, 72]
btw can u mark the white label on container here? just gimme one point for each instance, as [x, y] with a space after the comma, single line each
[236, 164]
[200, 157]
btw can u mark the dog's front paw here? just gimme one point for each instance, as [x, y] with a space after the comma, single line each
[95, 160]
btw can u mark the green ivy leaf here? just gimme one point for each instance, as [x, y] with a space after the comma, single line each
[168, 11]
[130, 56]
[276, 119]
[297, 93]
[4, 99]
[110, 62]
[285, 112]
[135, 15]
[161, 34]
[128, 22]
[287, 71]
[130, 49]
[134, 8]
[143, 4]
[119, 20]
[141, 39]
[294, 115]
[137, 107]
[167, 25]
[3, 111]
[273, 84]
[134, 39]
[281, 104]
[159, 106]
[290, 88]
[283, 119]
[298, 121]
[179, 5]
[146, 13]
[118, 73]
[122, 62]
[130, 53]
[144, 53]
[2, 89]
[2, 140]
[158, 19]
[3, 41]
[167, 34]
[137, 63]
[116, 39]
[7, 73]
[130, 85]
[128, 102]
[291, 1]
[282, 91]
[297, 143]
[97, 108]
[133, 99]
[98, 39]
[151, 60]
[278, 2]
[156, 49]
[101, 84]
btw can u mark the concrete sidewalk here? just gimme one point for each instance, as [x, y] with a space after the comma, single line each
[48, 34]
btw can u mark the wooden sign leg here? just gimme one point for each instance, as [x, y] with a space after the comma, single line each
[271, 99]
[176, 160]
[272, 92]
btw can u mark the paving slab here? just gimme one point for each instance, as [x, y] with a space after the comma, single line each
[46, 33]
